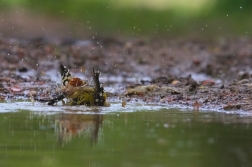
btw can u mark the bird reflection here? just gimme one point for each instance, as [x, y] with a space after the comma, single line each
[69, 126]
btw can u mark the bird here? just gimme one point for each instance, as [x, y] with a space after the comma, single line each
[78, 91]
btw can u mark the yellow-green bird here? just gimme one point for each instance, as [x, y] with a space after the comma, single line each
[78, 92]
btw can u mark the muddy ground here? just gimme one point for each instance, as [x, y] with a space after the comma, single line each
[204, 74]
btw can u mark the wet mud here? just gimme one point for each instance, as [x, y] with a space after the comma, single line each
[196, 73]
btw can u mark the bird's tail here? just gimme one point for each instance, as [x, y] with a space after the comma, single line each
[99, 91]
[65, 75]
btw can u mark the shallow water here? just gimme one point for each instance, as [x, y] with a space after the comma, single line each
[165, 137]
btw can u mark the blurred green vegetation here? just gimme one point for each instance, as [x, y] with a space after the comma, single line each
[168, 18]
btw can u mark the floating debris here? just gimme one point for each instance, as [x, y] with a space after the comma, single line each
[123, 103]
[196, 105]
[232, 107]
[140, 90]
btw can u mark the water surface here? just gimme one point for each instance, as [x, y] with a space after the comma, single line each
[167, 137]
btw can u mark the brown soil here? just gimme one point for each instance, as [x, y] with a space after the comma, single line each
[220, 69]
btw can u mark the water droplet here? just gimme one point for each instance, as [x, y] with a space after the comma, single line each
[210, 140]
[166, 125]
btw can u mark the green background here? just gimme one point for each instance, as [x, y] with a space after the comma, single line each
[145, 18]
